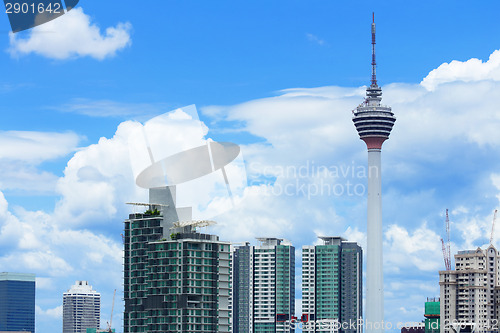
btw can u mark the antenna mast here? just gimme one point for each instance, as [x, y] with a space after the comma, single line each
[374, 63]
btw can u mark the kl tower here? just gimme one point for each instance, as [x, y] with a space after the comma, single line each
[374, 123]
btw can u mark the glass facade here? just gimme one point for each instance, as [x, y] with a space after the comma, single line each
[332, 283]
[17, 302]
[241, 294]
[174, 284]
[139, 230]
[285, 284]
[350, 284]
[327, 281]
[263, 287]
[182, 286]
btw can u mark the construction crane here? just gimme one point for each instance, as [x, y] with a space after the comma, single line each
[446, 246]
[110, 323]
[493, 226]
[447, 263]
[448, 251]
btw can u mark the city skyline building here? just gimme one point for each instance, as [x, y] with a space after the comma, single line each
[374, 123]
[263, 294]
[175, 278]
[332, 288]
[81, 308]
[140, 229]
[17, 302]
[470, 294]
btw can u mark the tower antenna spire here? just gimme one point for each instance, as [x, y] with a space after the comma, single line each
[374, 63]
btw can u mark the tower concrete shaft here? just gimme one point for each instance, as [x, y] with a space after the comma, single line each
[374, 265]
[374, 123]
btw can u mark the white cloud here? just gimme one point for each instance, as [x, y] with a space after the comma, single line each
[108, 108]
[495, 178]
[475, 229]
[315, 39]
[34, 147]
[21, 153]
[55, 313]
[240, 225]
[100, 178]
[72, 35]
[39, 245]
[97, 181]
[44, 283]
[420, 249]
[17, 176]
[354, 235]
[467, 71]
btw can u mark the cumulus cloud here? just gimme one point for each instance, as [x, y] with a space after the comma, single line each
[466, 71]
[32, 242]
[28, 248]
[475, 228]
[55, 313]
[97, 181]
[100, 178]
[416, 249]
[353, 234]
[72, 35]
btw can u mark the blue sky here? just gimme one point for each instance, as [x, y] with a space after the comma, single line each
[279, 78]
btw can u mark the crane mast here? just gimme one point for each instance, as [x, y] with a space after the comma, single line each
[493, 226]
[110, 330]
[446, 246]
[447, 263]
[448, 252]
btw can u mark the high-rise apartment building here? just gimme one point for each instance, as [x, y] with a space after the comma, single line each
[470, 294]
[176, 279]
[332, 285]
[81, 308]
[17, 302]
[263, 287]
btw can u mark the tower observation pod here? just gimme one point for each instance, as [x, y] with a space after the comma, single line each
[374, 123]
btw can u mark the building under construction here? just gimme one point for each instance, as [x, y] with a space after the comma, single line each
[432, 315]
[175, 279]
[470, 294]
